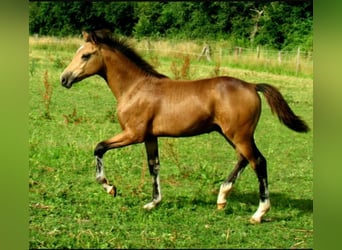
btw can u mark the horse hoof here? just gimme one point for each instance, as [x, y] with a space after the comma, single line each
[221, 206]
[149, 206]
[112, 191]
[255, 220]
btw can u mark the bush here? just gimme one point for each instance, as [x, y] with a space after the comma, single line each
[280, 25]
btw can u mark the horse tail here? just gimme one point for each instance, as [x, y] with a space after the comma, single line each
[279, 106]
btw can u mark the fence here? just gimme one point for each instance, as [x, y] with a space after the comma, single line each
[296, 61]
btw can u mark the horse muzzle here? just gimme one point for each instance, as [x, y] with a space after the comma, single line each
[67, 79]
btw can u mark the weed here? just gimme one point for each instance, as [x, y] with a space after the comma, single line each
[216, 71]
[72, 118]
[174, 69]
[170, 148]
[33, 66]
[47, 95]
[185, 70]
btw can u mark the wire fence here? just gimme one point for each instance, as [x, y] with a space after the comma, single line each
[298, 61]
[284, 61]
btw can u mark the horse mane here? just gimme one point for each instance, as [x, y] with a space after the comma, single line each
[122, 45]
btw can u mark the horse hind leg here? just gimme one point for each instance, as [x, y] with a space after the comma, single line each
[259, 165]
[264, 202]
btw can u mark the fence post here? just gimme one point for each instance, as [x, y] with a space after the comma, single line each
[298, 61]
[279, 57]
[220, 54]
[238, 51]
[258, 52]
[206, 52]
[148, 46]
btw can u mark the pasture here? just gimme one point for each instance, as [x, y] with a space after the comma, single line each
[68, 209]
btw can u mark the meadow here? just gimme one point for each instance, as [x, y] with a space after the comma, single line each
[68, 209]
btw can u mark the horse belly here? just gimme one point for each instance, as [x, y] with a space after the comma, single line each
[191, 121]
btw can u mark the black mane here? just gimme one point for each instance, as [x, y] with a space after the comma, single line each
[106, 37]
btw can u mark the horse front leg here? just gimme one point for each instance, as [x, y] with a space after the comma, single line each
[227, 185]
[120, 140]
[151, 145]
[101, 177]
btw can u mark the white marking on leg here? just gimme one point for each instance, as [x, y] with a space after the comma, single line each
[157, 199]
[263, 208]
[108, 188]
[224, 191]
[100, 175]
[150, 205]
[239, 173]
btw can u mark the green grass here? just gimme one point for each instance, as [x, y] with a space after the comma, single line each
[68, 209]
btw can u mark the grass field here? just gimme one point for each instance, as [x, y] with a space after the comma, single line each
[68, 209]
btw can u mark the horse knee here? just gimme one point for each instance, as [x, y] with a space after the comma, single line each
[100, 149]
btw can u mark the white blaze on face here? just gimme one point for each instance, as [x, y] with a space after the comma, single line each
[79, 48]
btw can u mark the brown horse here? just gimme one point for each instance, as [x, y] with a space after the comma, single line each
[151, 105]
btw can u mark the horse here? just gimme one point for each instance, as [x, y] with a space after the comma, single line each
[152, 105]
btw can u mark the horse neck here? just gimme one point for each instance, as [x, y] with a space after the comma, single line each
[120, 73]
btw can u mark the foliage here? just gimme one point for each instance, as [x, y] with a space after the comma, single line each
[282, 25]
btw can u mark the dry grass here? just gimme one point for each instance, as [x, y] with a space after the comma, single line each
[222, 54]
[43, 40]
[226, 55]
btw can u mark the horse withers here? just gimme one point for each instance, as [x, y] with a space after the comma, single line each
[151, 105]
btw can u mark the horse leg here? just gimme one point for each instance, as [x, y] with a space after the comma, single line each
[120, 140]
[151, 145]
[226, 187]
[264, 203]
[101, 177]
[259, 165]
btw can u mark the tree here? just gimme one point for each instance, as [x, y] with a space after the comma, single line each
[148, 15]
[285, 26]
[280, 25]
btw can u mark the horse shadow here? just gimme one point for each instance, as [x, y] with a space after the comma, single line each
[248, 201]
[278, 200]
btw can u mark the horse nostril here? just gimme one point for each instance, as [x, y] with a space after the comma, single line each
[67, 80]
[64, 79]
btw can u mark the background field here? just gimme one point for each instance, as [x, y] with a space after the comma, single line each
[68, 209]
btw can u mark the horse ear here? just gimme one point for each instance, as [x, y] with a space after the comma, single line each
[86, 36]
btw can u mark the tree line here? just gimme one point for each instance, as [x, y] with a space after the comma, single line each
[281, 25]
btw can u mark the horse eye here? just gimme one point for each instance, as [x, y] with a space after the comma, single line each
[86, 56]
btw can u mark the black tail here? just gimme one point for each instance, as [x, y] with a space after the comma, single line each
[279, 106]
